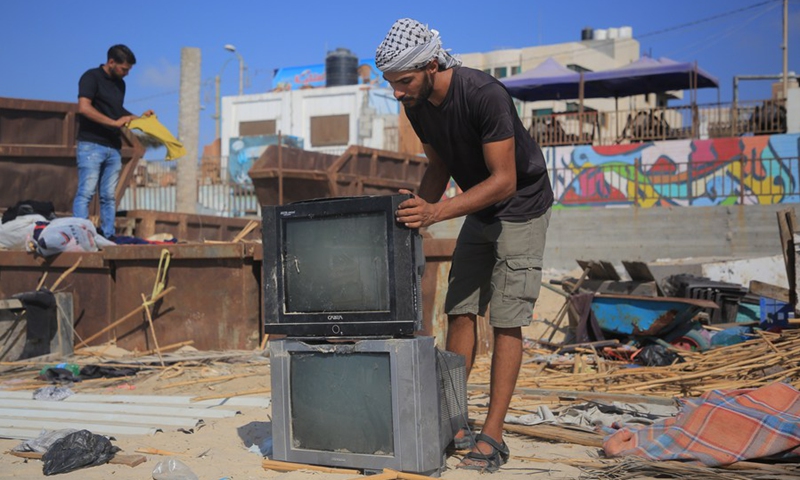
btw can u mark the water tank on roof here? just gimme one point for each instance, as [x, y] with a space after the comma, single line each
[341, 68]
[613, 32]
[586, 34]
[626, 32]
[600, 34]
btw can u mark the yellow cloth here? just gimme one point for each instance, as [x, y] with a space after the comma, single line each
[151, 126]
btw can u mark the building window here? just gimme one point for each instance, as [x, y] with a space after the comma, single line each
[259, 127]
[330, 130]
[515, 70]
[487, 71]
[500, 72]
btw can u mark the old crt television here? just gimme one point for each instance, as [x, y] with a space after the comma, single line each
[341, 267]
[366, 404]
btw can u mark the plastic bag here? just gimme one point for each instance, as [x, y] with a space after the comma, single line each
[655, 355]
[173, 469]
[44, 441]
[731, 336]
[69, 234]
[52, 393]
[77, 450]
[14, 233]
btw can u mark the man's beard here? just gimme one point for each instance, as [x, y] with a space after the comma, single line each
[426, 90]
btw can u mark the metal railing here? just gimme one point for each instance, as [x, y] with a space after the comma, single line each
[153, 187]
[654, 124]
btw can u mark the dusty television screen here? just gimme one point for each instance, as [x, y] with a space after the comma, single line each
[342, 402]
[337, 264]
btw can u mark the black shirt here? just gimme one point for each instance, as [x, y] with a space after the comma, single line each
[477, 110]
[107, 95]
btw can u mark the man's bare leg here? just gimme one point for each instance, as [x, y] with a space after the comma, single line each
[506, 360]
[462, 331]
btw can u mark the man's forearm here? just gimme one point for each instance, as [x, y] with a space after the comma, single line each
[436, 177]
[86, 109]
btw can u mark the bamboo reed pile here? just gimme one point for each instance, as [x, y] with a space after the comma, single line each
[635, 467]
[765, 359]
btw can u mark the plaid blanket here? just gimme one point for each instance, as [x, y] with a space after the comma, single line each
[720, 428]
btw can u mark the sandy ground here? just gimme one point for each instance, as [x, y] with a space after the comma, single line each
[219, 449]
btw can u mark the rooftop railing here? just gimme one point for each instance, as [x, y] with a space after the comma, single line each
[653, 124]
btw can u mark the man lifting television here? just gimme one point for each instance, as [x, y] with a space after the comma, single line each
[470, 131]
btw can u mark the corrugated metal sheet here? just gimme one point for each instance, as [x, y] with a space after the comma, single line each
[24, 418]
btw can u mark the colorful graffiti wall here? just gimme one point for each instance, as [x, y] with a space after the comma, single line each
[720, 171]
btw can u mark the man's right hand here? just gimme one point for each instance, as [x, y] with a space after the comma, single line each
[124, 120]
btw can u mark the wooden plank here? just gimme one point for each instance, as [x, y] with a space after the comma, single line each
[10, 304]
[638, 271]
[129, 460]
[555, 433]
[279, 466]
[775, 292]
[786, 224]
[610, 271]
[794, 284]
[599, 270]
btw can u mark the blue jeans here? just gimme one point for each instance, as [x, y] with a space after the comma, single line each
[98, 164]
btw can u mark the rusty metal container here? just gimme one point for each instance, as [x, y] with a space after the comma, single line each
[216, 301]
[37, 154]
[185, 227]
[284, 174]
[91, 284]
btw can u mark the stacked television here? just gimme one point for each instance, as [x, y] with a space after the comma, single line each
[352, 384]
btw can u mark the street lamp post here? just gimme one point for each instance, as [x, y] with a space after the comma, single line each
[232, 49]
[217, 106]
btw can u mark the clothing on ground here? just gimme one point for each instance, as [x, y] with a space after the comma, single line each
[720, 428]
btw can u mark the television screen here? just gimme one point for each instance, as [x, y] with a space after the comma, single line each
[341, 267]
[362, 422]
[337, 264]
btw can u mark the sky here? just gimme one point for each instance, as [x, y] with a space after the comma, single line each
[45, 45]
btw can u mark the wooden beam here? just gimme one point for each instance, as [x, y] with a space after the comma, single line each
[774, 292]
[290, 467]
[117, 459]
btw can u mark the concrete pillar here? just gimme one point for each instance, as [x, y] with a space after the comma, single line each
[189, 130]
[793, 111]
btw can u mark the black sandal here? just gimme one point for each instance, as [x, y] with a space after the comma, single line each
[464, 442]
[487, 462]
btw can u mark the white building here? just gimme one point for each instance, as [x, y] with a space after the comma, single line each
[326, 119]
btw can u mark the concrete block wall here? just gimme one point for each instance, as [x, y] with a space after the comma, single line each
[649, 234]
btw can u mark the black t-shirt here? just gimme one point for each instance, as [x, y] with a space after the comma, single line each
[107, 95]
[477, 110]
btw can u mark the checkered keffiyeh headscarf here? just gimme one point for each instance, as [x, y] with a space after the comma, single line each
[410, 45]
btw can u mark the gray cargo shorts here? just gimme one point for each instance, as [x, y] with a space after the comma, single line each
[498, 265]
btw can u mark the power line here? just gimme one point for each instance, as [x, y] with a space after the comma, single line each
[578, 51]
[707, 19]
[708, 42]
